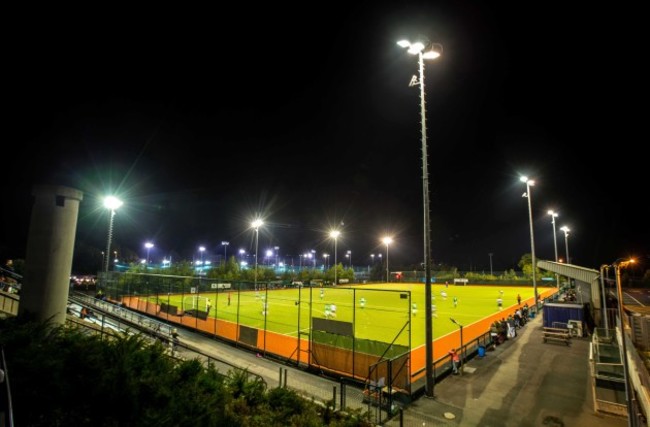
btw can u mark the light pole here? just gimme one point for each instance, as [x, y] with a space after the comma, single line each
[148, 245]
[334, 234]
[554, 215]
[462, 358]
[225, 251]
[348, 255]
[566, 242]
[112, 203]
[602, 285]
[313, 255]
[617, 267]
[490, 255]
[256, 226]
[528, 195]
[433, 51]
[201, 250]
[387, 241]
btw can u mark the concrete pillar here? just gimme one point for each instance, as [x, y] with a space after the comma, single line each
[50, 246]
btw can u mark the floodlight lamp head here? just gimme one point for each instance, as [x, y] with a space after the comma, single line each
[434, 50]
[623, 262]
[112, 202]
[415, 48]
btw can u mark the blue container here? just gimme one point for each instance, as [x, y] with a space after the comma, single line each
[481, 351]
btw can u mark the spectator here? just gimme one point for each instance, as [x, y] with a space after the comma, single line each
[455, 360]
[512, 332]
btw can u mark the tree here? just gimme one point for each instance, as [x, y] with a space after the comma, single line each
[63, 376]
[378, 272]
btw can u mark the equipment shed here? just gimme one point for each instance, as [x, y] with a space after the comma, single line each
[557, 314]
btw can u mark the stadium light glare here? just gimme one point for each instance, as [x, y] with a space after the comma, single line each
[112, 203]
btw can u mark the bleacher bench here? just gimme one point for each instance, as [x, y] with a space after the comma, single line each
[557, 335]
[374, 390]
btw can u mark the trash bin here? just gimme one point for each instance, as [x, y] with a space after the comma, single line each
[481, 351]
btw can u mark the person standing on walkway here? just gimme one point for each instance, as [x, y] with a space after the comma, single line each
[455, 360]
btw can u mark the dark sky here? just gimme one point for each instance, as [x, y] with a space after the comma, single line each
[202, 119]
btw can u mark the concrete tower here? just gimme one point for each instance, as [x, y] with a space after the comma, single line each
[50, 246]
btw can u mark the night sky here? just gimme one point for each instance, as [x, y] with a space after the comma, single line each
[202, 119]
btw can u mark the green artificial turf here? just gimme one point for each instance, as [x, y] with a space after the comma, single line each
[385, 316]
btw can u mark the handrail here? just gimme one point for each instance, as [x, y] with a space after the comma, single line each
[11, 273]
[10, 409]
[144, 323]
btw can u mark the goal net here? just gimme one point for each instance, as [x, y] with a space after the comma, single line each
[195, 302]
